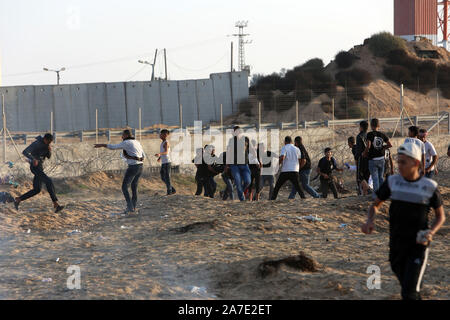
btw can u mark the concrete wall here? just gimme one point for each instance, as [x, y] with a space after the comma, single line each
[28, 108]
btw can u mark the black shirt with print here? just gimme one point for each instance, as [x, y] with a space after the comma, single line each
[377, 140]
[408, 212]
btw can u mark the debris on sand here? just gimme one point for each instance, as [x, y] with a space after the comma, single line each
[300, 262]
[198, 226]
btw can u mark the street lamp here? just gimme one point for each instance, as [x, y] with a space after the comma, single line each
[57, 72]
[150, 64]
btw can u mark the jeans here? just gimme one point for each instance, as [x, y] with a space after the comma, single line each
[376, 168]
[39, 178]
[271, 181]
[131, 177]
[242, 178]
[229, 192]
[293, 178]
[165, 177]
[304, 179]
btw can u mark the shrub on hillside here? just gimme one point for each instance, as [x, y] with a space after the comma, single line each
[398, 74]
[345, 59]
[381, 44]
[358, 76]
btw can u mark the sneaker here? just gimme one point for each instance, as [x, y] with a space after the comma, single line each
[59, 208]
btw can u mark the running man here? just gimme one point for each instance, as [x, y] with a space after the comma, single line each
[431, 156]
[411, 196]
[36, 154]
[305, 170]
[290, 159]
[134, 156]
[164, 157]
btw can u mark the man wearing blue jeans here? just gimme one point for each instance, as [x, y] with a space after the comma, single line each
[377, 143]
[305, 171]
[236, 162]
[134, 156]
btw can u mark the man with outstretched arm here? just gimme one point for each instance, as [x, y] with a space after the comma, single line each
[412, 196]
[36, 153]
[134, 155]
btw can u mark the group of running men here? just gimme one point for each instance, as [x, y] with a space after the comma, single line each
[249, 166]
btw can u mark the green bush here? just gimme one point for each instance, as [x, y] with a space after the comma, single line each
[345, 59]
[381, 44]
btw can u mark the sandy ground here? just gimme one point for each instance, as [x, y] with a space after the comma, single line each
[228, 249]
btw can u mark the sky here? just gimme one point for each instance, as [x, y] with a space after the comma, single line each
[102, 41]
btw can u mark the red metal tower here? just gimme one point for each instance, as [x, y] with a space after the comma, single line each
[443, 21]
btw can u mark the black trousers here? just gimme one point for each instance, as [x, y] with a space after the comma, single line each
[409, 265]
[326, 185]
[131, 177]
[39, 178]
[293, 177]
[199, 182]
[255, 173]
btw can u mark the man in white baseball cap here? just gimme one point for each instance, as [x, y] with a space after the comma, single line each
[412, 196]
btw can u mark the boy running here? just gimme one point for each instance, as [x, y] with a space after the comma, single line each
[412, 195]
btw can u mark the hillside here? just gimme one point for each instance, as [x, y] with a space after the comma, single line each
[366, 83]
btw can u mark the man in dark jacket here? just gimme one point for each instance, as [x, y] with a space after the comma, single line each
[36, 154]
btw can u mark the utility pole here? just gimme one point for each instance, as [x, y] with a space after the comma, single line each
[151, 64]
[57, 73]
[242, 42]
[232, 62]
[165, 62]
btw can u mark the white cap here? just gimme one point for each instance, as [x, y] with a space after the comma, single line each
[411, 150]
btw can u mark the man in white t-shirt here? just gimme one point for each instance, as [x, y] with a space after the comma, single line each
[413, 137]
[134, 156]
[431, 157]
[290, 157]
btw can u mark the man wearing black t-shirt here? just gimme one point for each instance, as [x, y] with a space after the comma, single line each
[362, 163]
[375, 151]
[325, 169]
[412, 196]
